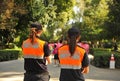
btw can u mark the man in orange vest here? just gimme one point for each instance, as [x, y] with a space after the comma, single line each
[73, 58]
[36, 53]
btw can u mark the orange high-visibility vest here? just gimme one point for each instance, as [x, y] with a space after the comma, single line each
[71, 62]
[35, 50]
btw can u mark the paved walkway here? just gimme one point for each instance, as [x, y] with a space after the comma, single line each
[13, 71]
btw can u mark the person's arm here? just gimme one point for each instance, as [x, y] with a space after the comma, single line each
[47, 53]
[48, 60]
[85, 64]
[85, 70]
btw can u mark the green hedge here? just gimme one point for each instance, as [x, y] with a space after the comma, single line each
[6, 55]
[102, 58]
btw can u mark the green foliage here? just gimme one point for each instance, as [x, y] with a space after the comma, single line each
[11, 11]
[6, 55]
[95, 15]
[117, 60]
[113, 25]
[64, 5]
[47, 36]
[64, 11]
[43, 11]
[102, 58]
[6, 36]
[51, 13]
[100, 18]
[23, 36]
[108, 45]
[37, 9]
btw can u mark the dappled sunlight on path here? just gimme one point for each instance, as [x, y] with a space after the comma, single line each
[11, 76]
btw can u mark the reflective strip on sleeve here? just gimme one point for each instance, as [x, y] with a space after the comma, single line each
[70, 67]
[32, 56]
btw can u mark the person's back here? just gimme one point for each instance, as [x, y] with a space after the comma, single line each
[35, 53]
[73, 59]
[54, 49]
[55, 52]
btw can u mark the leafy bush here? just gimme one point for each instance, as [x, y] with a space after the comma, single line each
[102, 58]
[117, 60]
[107, 45]
[6, 55]
[91, 51]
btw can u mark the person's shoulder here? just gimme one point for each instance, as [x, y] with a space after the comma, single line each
[26, 40]
[42, 41]
[80, 47]
[59, 45]
[63, 45]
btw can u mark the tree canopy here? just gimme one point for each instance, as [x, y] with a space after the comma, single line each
[97, 19]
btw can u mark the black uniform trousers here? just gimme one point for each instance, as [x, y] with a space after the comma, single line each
[36, 77]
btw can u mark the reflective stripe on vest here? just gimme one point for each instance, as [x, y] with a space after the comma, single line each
[35, 50]
[32, 56]
[70, 67]
[70, 62]
[27, 45]
[75, 56]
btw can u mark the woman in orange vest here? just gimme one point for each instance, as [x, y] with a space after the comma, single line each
[73, 59]
[36, 53]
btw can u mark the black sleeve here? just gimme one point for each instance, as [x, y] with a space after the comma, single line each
[46, 50]
[85, 61]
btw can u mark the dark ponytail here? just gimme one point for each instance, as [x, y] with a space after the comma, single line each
[72, 44]
[32, 35]
[73, 34]
[35, 27]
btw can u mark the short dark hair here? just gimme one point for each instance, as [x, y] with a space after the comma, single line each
[73, 32]
[36, 25]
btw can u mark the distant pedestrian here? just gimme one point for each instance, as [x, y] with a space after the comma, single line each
[36, 53]
[55, 53]
[85, 45]
[73, 59]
